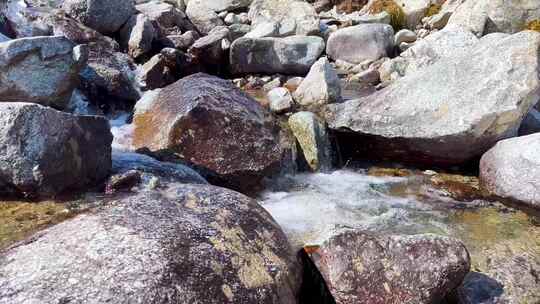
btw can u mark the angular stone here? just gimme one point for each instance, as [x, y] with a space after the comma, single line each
[202, 16]
[44, 152]
[104, 16]
[43, 70]
[362, 42]
[211, 123]
[280, 100]
[212, 48]
[321, 86]
[79, 33]
[137, 35]
[291, 55]
[363, 267]
[449, 120]
[187, 244]
[310, 132]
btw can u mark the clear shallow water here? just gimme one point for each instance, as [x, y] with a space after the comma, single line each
[311, 207]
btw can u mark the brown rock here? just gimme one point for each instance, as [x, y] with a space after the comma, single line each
[211, 123]
[360, 267]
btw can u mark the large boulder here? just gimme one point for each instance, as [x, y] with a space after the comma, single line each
[211, 123]
[429, 117]
[105, 16]
[445, 43]
[40, 69]
[511, 170]
[23, 19]
[292, 16]
[489, 16]
[46, 152]
[363, 42]
[190, 244]
[290, 55]
[361, 267]
[320, 87]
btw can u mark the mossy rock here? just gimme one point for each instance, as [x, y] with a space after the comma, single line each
[533, 25]
[397, 15]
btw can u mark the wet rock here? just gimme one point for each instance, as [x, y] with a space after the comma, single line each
[488, 16]
[137, 35]
[43, 70]
[511, 170]
[310, 132]
[123, 181]
[280, 100]
[362, 42]
[202, 16]
[78, 33]
[105, 16]
[211, 123]
[291, 55]
[108, 79]
[445, 43]
[438, 122]
[362, 267]
[189, 244]
[293, 16]
[46, 152]
[321, 86]
[4, 38]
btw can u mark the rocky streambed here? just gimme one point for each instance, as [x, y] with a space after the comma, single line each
[269, 151]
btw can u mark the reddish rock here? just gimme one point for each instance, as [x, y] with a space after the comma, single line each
[211, 123]
[361, 267]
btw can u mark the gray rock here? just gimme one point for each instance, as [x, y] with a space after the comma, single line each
[212, 48]
[44, 152]
[123, 162]
[228, 5]
[181, 42]
[4, 38]
[280, 100]
[264, 29]
[369, 76]
[239, 30]
[449, 120]
[293, 16]
[137, 35]
[362, 267]
[189, 244]
[489, 16]
[290, 55]
[43, 70]
[78, 33]
[202, 16]
[321, 86]
[404, 36]
[211, 123]
[310, 132]
[511, 170]
[105, 16]
[362, 42]
[438, 21]
[531, 123]
[108, 80]
[22, 19]
[158, 72]
[445, 43]
[166, 17]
